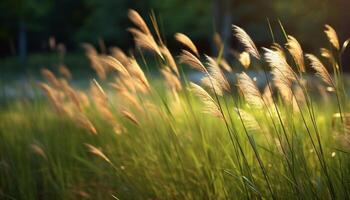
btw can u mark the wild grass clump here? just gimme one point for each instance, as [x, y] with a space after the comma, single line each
[176, 139]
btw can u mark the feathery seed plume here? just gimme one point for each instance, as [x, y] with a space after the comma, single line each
[224, 64]
[188, 58]
[217, 74]
[114, 63]
[52, 95]
[130, 99]
[136, 71]
[244, 59]
[97, 152]
[38, 150]
[279, 65]
[295, 50]
[64, 71]
[170, 59]
[283, 75]
[212, 84]
[326, 53]
[332, 36]
[95, 62]
[118, 54]
[320, 69]
[84, 122]
[249, 121]
[135, 17]
[172, 80]
[247, 42]
[210, 105]
[279, 49]
[145, 41]
[186, 41]
[130, 116]
[250, 91]
[50, 77]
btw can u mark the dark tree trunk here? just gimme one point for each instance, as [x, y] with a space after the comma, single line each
[345, 32]
[12, 46]
[22, 42]
[222, 23]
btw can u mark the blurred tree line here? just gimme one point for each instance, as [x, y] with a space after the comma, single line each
[26, 25]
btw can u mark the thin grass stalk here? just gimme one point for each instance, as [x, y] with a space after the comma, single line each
[322, 161]
[255, 152]
[226, 124]
[278, 113]
[203, 138]
[169, 112]
[237, 140]
[220, 108]
[257, 156]
[192, 112]
[175, 139]
[340, 85]
[312, 117]
[320, 155]
[290, 166]
[303, 118]
[290, 146]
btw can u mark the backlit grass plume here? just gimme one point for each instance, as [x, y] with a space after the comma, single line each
[97, 152]
[249, 90]
[188, 58]
[320, 69]
[295, 50]
[144, 40]
[142, 36]
[283, 74]
[332, 36]
[135, 17]
[170, 59]
[217, 76]
[249, 121]
[85, 122]
[130, 116]
[210, 106]
[186, 41]
[245, 39]
[114, 63]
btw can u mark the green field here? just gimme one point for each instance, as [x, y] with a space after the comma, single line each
[185, 155]
[130, 135]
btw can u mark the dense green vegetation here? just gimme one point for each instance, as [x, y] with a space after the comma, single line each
[187, 156]
[73, 22]
[133, 136]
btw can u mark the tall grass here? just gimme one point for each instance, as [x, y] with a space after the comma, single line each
[132, 137]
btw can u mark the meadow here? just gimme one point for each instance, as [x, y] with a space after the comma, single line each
[130, 135]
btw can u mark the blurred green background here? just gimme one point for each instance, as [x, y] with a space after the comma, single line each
[27, 25]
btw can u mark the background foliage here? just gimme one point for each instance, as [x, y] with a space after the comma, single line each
[73, 22]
